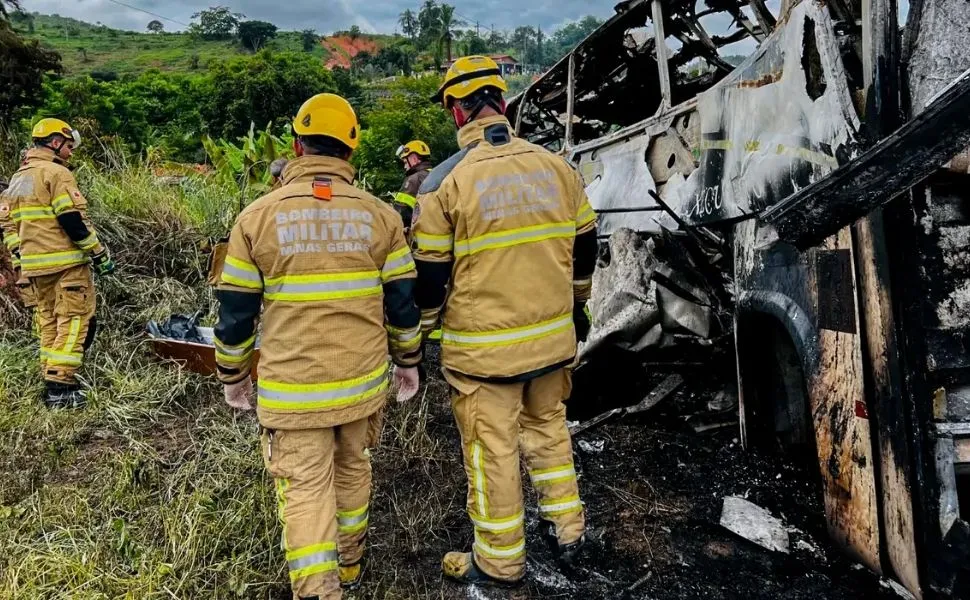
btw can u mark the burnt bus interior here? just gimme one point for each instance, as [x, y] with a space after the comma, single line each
[616, 103]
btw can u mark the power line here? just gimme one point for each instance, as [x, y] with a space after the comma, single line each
[149, 13]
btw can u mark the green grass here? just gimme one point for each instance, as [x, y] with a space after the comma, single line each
[157, 489]
[124, 52]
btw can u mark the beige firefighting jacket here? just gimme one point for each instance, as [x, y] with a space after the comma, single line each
[327, 260]
[39, 192]
[504, 214]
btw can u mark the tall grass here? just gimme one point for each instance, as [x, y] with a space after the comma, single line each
[156, 490]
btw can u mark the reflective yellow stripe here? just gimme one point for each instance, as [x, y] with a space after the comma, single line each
[480, 483]
[89, 242]
[560, 506]
[397, 263]
[333, 286]
[54, 259]
[352, 521]
[11, 240]
[15, 262]
[242, 274]
[585, 216]
[498, 526]
[310, 560]
[239, 353]
[62, 204]
[282, 485]
[33, 213]
[511, 551]
[72, 336]
[405, 199]
[429, 242]
[553, 475]
[58, 358]
[504, 337]
[405, 339]
[515, 237]
[298, 397]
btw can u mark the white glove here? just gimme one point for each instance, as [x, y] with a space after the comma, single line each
[239, 395]
[407, 381]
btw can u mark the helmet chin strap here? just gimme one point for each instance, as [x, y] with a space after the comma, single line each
[461, 120]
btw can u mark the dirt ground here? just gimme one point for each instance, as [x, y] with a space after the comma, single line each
[653, 490]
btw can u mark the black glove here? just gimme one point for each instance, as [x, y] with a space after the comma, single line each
[581, 321]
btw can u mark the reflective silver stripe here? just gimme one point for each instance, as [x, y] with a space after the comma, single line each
[317, 558]
[515, 237]
[239, 350]
[285, 396]
[499, 525]
[398, 266]
[288, 287]
[54, 259]
[547, 475]
[433, 242]
[556, 507]
[513, 551]
[352, 523]
[582, 281]
[507, 336]
[89, 242]
[235, 272]
[404, 335]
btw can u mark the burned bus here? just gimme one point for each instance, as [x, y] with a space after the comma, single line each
[831, 163]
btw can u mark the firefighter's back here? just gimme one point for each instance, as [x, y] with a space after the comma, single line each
[319, 246]
[513, 206]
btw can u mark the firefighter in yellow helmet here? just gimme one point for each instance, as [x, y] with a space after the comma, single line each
[416, 158]
[45, 226]
[507, 227]
[326, 267]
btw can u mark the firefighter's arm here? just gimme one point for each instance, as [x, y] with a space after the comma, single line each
[70, 208]
[8, 230]
[402, 317]
[584, 248]
[433, 241]
[240, 295]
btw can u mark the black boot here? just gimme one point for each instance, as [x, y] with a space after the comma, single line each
[566, 554]
[62, 395]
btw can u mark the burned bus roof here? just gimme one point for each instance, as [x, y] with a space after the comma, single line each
[616, 70]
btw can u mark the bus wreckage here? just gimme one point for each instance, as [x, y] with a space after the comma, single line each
[810, 208]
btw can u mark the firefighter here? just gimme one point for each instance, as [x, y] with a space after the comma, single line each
[416, 158]
[328, 267]
[506, 228]
[45, 226]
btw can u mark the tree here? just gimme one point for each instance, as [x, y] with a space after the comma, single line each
[23, 65]
[523, 41]
[429, 24]
[409, 24]
[354, 32]
[84, 54]
[310, 39]
[155, 26]
[446, 26]
[216, 23]
[4, 11]
[254, 34]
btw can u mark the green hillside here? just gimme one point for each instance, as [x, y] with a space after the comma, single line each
[87, 48]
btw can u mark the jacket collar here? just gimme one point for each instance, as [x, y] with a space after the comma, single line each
[305, 168]
[42, 154]
[421, 166]
[475, 131]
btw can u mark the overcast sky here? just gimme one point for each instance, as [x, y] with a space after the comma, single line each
[326, 16]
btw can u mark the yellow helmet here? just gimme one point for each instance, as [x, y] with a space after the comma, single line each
[416, 147]
[48, 127]
[468, 75]
[329, 115]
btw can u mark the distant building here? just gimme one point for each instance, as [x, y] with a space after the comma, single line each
[506, 63]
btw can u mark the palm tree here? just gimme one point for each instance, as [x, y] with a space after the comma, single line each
[409, 24]
[447, 24]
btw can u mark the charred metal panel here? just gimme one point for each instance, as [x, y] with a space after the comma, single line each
[836, 292]
[787, 284]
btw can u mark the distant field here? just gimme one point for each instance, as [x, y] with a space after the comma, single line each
[87, 48]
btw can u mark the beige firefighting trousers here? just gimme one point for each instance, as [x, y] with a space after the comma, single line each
[495, 420]
[323, 483]
[64, 306]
